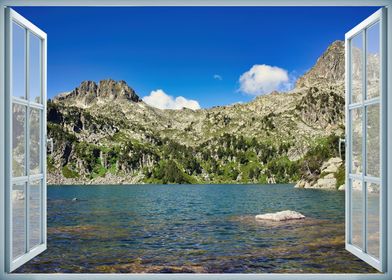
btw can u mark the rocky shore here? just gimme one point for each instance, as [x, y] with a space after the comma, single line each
[331, 177]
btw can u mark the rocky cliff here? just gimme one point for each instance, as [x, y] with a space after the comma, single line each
[104, 133]
[89, 93]
[328, 70]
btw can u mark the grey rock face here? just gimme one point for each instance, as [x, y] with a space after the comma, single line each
[89, 93]
[116, 90]
[329, 68]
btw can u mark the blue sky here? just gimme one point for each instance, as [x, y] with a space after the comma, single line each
[197, 53]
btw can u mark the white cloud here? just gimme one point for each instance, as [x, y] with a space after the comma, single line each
[217, 77]
[262, 79]
[159, 99]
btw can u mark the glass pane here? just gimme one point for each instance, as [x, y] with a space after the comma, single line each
[356, 68]
[373, 140]
[373, 61]
[356, 130]
[18, 61]
[35, 68]
[35, 213]
[373, 219]
[34, 143]
[18, 220]
[357, 213]
[18, 140]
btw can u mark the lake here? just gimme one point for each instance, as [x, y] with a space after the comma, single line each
[193, 228]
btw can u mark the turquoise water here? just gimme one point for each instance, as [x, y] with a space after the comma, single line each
[193, 228]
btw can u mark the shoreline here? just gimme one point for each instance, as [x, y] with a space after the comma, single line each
[87, 185]
[157, 184]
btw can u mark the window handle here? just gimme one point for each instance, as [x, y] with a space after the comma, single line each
[49, 143]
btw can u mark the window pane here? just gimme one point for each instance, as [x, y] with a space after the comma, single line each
[373, 219]
[35, 213]
[18, 220]
[18, 140]
[373, 140]
[357, 213]
[18, 61]
[34, 68]
[356, 142]
[356, 68]
[373, 61]
[34, 143]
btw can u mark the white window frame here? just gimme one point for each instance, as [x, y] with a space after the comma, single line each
[11, 18]
[377, 17]
[381, 3]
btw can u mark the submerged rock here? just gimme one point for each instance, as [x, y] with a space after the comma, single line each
[281, 216]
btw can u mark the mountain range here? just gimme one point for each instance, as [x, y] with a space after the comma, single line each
[104, 133]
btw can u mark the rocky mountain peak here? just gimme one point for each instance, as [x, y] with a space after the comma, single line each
[89, 92]
[329, 68]
[112, 89]
[87, 87]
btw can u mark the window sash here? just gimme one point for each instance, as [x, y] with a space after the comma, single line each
[363, 105]
[26, 178]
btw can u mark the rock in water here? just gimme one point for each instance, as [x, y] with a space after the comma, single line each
[281, 216]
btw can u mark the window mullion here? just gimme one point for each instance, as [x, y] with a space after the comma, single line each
[27, 147]
[43, 89]
[364, 131]
[348, 143]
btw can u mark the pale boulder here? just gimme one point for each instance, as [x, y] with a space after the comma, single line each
[300, 184]
[332, 165]
[326, 183]
[329, 176]
[281, 216]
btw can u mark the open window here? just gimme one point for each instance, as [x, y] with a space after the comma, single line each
[25, 140]
[366, 140]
